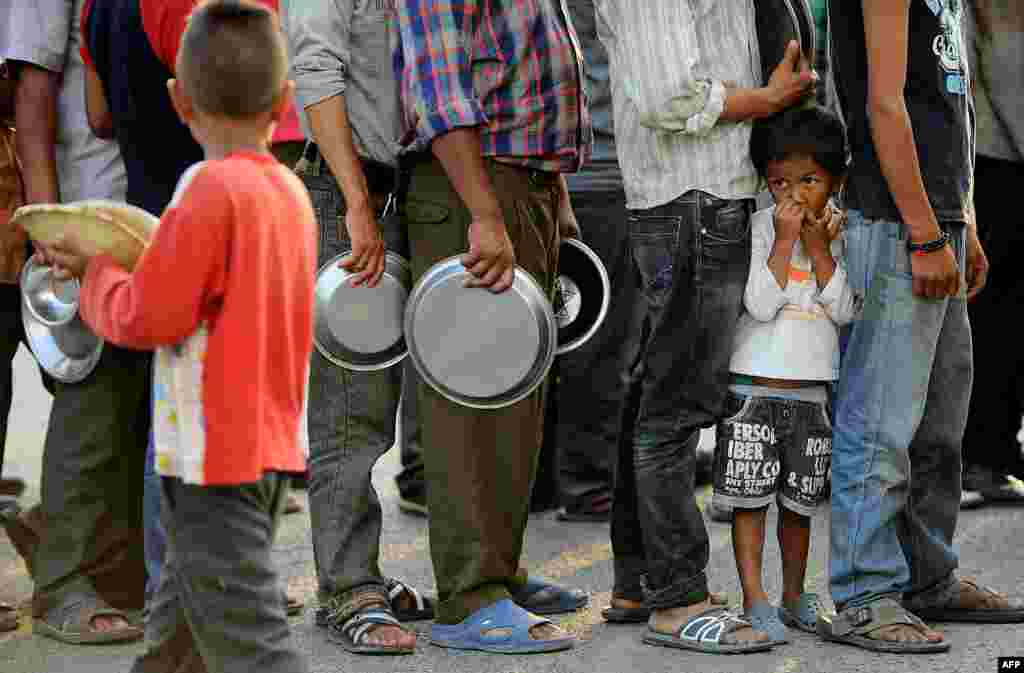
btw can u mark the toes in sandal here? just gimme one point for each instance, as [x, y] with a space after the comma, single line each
[704, 631]
[72, 622]
[1007, 612]
[852, 626]
[423, 606]
[501, 628]
[803, 614]
[765, 618]
[8, 617]
[544, 598]
[350, 626]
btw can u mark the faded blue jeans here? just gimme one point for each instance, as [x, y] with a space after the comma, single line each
[689, 264]
[901, 410]
[351, 425]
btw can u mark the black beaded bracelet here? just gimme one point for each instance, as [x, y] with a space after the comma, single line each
[929, 246]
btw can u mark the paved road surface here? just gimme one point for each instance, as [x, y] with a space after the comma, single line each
[577, 554]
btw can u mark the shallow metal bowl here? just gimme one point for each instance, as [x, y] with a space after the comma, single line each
[477, 348]
[61, 342]
[51, 302]
[360, 328]
[582, 294]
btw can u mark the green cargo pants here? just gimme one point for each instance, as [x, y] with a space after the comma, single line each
[480, 464]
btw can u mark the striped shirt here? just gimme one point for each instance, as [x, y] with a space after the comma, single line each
[510, 67]
[670, 61]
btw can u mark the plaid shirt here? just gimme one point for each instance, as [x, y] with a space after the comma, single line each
[512, 69]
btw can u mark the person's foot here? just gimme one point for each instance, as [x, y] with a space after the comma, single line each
[672, 620]
[994, 487]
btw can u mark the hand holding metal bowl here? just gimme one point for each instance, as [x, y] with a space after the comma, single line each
[61, 342]
[486, 350]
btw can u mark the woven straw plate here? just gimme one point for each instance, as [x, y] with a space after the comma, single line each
[116, 229]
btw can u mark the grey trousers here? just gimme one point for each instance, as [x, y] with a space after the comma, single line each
[351, 425]
[219, 605]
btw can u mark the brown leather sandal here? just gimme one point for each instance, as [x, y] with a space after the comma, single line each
[968, 605]
[71, 622]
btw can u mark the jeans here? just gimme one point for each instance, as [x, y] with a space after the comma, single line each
[901, 408]
[351, 422]
[589, 388]
[689, 263]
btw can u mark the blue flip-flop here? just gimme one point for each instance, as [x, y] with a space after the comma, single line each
[545, 598]
[511, 621]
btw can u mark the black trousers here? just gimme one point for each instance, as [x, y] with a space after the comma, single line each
[997, 400]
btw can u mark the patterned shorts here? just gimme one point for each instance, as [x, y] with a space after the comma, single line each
[773, 446]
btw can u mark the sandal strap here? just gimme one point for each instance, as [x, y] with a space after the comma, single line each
[359, 624]
[709, 626]
[340, 610]
[398, 587]
[868, 618]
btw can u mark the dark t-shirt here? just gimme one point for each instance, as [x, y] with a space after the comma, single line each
[132, 58]
[938, 100]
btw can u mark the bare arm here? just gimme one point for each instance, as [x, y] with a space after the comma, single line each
[886, 31]
[329, 123]
[96, 107]
[35, 117]
[491, 258]
[785, 88]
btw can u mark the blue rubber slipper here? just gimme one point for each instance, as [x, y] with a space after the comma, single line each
[544, 598]
[803, 615]
[765, 617]
[502, 628]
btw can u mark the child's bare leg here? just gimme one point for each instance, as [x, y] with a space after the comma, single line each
[748, 545]
[794, 531]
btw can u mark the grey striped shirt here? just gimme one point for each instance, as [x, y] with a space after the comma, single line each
[670, 60]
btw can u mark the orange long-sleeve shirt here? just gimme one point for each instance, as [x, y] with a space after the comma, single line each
[224, 293]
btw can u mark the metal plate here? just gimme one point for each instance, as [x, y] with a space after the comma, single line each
[581, 296]
[360, 328]
[67, 351]
[477, 348]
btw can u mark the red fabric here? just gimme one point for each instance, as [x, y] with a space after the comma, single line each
[83, 50]
[164, 22]
[235, 250]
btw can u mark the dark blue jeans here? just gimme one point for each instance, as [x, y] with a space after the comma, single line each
[689, 264]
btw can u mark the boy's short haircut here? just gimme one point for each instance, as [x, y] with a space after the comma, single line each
[233, 61]
[809, 131]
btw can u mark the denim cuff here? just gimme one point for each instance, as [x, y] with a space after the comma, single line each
[940, 593]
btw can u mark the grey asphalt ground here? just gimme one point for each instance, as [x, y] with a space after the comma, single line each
[576, 554]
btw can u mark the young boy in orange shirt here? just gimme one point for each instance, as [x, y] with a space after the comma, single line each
[224, 294]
